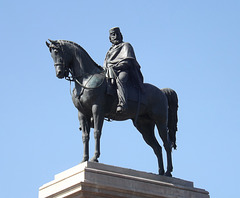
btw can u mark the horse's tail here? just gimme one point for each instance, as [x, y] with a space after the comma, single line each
[172, 114]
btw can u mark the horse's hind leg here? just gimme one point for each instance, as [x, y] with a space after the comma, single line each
[146, 128]
[162, 129]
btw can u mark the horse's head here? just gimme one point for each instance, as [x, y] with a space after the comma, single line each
[60, 59]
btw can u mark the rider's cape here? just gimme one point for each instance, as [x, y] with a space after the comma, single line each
[121, 52]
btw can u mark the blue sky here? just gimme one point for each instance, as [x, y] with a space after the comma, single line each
[192, 47]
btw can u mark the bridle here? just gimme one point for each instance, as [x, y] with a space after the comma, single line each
[58, 64]
[62, 63]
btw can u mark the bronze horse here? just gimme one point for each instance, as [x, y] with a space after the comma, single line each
[94, 104]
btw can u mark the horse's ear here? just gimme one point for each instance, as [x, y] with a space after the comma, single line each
[53, 42]
[48, 44]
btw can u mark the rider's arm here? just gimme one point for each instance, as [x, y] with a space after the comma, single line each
[123, 65]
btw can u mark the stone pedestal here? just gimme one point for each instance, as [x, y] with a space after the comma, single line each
[95, 180]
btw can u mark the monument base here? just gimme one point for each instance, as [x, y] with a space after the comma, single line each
[95, 180]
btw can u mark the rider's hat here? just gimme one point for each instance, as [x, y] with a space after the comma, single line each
[116, 29]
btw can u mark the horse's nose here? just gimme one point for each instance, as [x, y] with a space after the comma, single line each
[59, 73]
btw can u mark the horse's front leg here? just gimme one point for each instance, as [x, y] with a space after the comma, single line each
[85, 128]
[98, 118]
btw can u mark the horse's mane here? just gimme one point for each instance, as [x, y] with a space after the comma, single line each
[78, 46]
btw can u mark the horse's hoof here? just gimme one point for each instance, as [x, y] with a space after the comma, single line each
[161, 172]
[94, 160]
[168, 174]
[85, 159]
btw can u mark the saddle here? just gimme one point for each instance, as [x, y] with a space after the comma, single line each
[134, 93]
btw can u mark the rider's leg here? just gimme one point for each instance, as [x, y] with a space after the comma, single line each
[121, 82]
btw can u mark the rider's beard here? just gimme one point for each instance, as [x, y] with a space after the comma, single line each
[115, 41]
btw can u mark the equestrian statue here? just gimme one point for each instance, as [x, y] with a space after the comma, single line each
[116, 91]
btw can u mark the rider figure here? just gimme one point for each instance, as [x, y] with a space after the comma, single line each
[121, 65]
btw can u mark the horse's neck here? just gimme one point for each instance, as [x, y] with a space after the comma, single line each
[83, 65]
[83, 73]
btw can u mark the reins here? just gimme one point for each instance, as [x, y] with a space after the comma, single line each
[74, 78]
